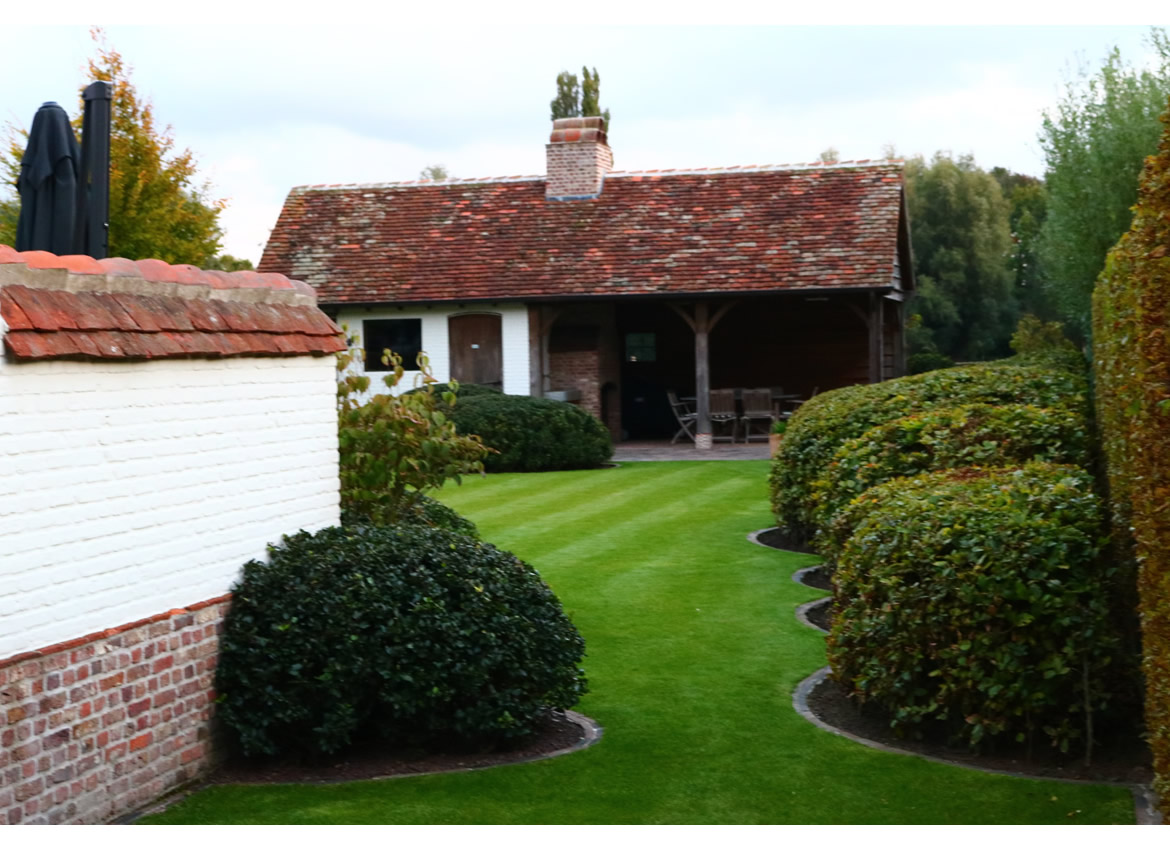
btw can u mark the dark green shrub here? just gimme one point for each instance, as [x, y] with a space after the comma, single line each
[826, 421]
[973, 598]
[927, 361]
[533, 434]
[426, 511]
[943, 438]
[1045, 344]
[410, 633]
[462, 391]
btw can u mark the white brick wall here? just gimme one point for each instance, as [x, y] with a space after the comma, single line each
[435, 341]
[130, 488]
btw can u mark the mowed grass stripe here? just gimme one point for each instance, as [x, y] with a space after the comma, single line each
[693, 652]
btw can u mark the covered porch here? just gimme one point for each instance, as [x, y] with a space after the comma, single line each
[620, 358]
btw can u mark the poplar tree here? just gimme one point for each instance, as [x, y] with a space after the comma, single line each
[578, 98]
[1095, 142]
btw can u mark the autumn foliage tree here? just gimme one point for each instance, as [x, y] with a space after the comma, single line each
[158, 207]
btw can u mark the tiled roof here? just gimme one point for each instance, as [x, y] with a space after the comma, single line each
[746, 229]
[78, 307]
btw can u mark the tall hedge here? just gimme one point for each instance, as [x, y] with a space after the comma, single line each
[943, 438]
[1131, 352]
[973, 598]
[829, 419]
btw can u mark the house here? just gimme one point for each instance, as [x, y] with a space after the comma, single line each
[610, 287]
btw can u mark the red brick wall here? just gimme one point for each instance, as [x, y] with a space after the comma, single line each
[579, 370]
[100, 726]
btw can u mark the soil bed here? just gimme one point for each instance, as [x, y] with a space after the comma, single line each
[820, 615]
[776, 538]
[374, 760]
[818, 578]
[1125, 760]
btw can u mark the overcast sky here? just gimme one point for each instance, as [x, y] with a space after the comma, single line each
[266, 108]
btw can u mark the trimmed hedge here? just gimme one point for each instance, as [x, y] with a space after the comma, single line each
[533, 434]
[1131, 352]
[413, 634]
[943, 438]
[972, 598]
[827, 420]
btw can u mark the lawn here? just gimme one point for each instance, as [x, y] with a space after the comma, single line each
[693, 654]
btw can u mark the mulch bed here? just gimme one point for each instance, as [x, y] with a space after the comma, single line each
[1120, 757]
[820, 615]
[776, 538]
[375, 760]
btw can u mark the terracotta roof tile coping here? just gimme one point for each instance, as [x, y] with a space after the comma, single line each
[79, 273]
[612, 175]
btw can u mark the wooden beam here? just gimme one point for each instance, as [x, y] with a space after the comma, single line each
[686, 317]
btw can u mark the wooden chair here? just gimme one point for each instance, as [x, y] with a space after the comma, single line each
[723, 412]
[757, 407]
[796, 403]
[684, 415]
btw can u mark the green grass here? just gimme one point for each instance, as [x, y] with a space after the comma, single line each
[693, 655]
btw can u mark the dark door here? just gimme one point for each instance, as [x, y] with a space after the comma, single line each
[476, 355]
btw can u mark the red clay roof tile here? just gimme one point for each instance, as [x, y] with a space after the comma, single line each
[749, 229]
[47, 324]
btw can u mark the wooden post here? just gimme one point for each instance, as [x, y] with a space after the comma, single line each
[702, 323]
[876, 331]
[535, 350]
[702, 378]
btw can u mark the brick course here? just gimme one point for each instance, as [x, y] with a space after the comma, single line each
[132, 732]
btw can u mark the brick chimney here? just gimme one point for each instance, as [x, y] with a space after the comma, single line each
[578, 159]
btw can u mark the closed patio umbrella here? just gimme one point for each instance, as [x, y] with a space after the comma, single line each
[48, 184]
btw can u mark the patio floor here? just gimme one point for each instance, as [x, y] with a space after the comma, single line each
[663, 450]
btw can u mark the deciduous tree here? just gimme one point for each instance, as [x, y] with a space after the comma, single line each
[158, 207]
[959, 223]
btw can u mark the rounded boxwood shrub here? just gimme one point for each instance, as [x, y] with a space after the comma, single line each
[827, 420]
[533, 434]
[410, 633]
[973, 598]
[943, 438]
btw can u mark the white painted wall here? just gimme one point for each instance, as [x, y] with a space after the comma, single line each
[131, 488]
[435, 341]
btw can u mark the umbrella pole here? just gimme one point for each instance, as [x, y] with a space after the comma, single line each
[93, 192]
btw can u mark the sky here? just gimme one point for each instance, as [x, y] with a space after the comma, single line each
[266, 107]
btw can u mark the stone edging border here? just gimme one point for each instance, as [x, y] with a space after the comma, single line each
[592, 734]
[1145, 802]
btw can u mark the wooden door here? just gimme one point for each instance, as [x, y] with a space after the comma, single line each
[476, 352]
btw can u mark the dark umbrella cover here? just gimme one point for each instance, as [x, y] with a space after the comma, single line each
[48, 184]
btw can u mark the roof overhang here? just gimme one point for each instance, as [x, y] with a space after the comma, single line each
[821, 291]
